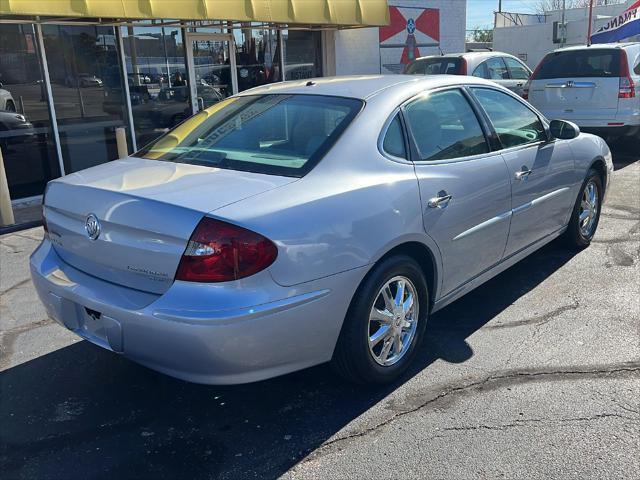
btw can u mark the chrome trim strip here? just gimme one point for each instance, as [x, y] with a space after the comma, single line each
[536, 201]
[485, 224]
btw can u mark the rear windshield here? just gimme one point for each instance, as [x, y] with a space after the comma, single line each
[434, 66]
[580, 64]
[272, 134]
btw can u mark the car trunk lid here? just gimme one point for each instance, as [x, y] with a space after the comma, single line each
[577, 84]
[146, 210]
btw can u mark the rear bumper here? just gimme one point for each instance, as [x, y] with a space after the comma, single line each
[613, 131]
[235, 332]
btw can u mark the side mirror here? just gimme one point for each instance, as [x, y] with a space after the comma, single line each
[563, 130]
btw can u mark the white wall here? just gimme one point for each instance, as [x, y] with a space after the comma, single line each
[535, 41]
[357, 51]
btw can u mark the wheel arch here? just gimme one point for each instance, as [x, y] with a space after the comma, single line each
[600, 166]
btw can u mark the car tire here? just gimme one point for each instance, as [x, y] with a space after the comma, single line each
[353, 358]
[581, 229]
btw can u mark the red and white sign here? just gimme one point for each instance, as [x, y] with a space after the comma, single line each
[411, 33]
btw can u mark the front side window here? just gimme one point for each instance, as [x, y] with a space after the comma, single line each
[444, 126]
[514, 122]
[516, 69]
[272, 134]
[393, 142]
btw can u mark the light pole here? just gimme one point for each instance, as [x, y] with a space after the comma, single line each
[564, 27]
[590, 23]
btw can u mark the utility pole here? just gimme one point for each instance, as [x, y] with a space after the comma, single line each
[590, 23]
[564, 26]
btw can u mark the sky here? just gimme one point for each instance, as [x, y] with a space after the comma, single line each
[480, 12]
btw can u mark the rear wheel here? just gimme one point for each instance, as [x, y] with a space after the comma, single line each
[586, 212]
[385, 323]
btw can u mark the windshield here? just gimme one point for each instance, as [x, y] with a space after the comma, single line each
[272, 134]
[435, 66]
[580, 64]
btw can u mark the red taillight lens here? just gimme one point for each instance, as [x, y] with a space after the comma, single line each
[220, 252]
[627, 87]
[463, 66]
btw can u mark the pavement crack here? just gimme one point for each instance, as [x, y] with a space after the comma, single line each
[538, 421]
[500, 379]
[15, 286]
[8, 338]
[538, 320]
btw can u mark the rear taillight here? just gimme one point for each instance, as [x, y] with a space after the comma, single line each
[527, 86]
[627, 88]
[463, 66]
[220, 252]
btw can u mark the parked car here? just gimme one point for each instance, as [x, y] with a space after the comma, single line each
[7, 103]
[312, 221]
[83, 80]
[502, 68]
[595, 87]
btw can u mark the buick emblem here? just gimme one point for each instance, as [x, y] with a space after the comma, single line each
[92, 226]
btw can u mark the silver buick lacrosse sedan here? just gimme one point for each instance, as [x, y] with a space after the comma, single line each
[312, 221]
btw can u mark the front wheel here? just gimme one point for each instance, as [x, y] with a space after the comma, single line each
[385, 323]
[586, 212]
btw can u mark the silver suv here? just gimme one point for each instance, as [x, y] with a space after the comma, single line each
[595, 87]
[501, 68]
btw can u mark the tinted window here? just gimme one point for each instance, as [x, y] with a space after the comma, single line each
[580, 63]
[435, 66]
[497, 69]
[517, 70]
[394, 139]
[636, 69]
[513, 121]
[481, 71]
[274, 134]
[444, 126]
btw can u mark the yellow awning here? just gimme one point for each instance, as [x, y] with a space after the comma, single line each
[315, 12]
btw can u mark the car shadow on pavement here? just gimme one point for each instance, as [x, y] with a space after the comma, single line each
[81, 412]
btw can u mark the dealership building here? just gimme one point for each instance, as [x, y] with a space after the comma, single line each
[72, 72]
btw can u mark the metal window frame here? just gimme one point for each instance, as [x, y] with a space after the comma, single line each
[189, 37]
[125, 81]
[51, 106]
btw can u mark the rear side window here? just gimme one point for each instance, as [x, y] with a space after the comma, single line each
[514, 123]
[516, 69]
[444, 126]
[394, 139]
[636, 69]
[580, 64]
[272, 134]
[435, 66]
[497, 69]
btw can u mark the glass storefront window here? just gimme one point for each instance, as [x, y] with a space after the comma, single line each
[157, 78]
[26, 138]
[88, 92]
[257, 57]
[302, 54]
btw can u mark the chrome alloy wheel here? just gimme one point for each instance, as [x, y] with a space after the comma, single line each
[393, 321]
[588, 209]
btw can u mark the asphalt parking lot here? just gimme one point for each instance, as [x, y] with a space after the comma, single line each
[536, 374]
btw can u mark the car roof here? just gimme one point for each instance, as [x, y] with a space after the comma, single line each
[362, 86]
[469, 55]
[599, 46]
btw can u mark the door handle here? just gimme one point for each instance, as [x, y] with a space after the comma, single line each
[441, 201]
[523, 174]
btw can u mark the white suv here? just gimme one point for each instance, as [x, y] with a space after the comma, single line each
[596, 87]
